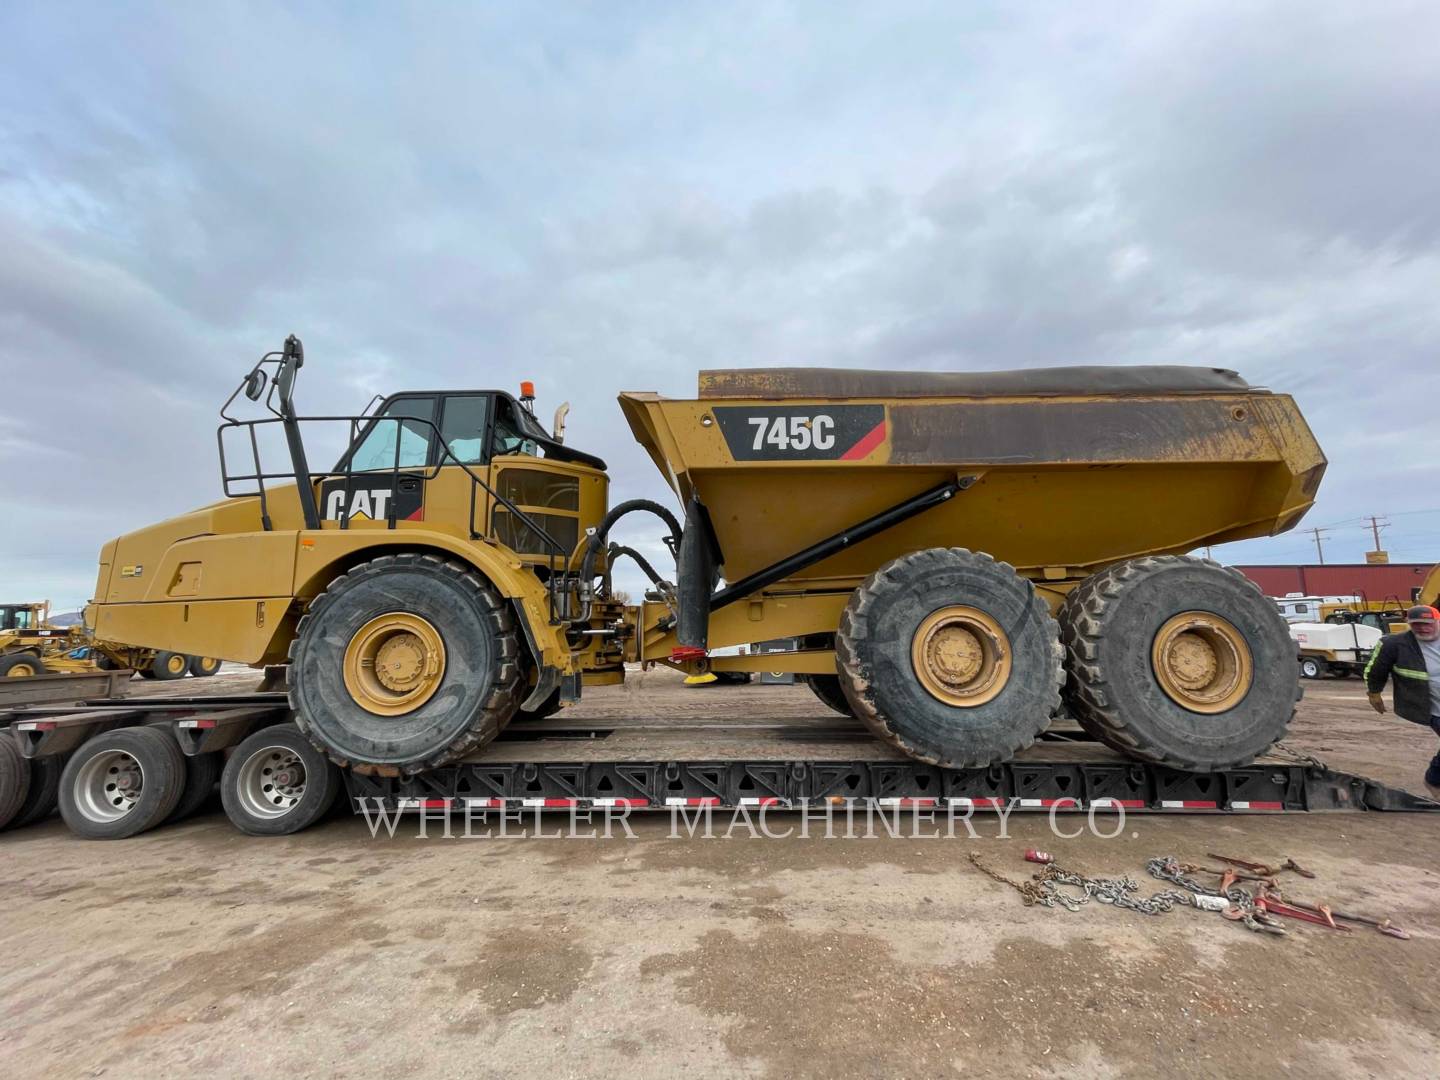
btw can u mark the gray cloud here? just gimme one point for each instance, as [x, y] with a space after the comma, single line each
[611, 198]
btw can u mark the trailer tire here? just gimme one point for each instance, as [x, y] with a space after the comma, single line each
[1179, 661]
[277, 783]
[454, 690]
[827, 688]
[21, 664]
[169, 665]
[201, 773]
[44, 795]
[14, 780]
[1311, 668]
[121, 783]
[951, 657]
[202, 667]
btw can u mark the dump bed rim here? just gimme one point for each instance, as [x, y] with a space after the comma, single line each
[1078, 381]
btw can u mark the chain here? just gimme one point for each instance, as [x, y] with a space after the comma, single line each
[1044, 889]
[1168, 868]
[1299, 755]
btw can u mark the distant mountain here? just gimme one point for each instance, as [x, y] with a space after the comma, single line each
[68, 618]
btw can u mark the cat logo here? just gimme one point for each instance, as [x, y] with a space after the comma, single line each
[132, 571]
[368, 499]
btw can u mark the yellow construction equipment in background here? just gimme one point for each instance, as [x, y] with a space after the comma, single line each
[957, 553]
[31, 645]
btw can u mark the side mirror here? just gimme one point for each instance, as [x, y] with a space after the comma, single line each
[255, 384]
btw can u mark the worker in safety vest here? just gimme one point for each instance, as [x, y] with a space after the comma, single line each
[1413, 658]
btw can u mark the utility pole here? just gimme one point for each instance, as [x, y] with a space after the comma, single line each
[1319, 551]
[1375, 526]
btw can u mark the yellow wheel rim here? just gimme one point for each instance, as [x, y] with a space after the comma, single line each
[209, 663]
[177, 664]
[961, 656]
[23, 669]
[394, 664]
[1202, 662]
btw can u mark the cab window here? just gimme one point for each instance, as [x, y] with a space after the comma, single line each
[509, 437]
[462, 428]
[377, 450]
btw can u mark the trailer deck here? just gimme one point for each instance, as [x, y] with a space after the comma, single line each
[691, 757]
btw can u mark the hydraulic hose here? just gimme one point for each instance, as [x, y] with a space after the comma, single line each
[601, 534]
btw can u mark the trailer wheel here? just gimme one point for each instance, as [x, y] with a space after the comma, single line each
[21, 665]
[44, 794]
[827, 689]
[201, 772]
[202, 667]
[407, 660]
[121, 783]
[14, 780]
[276, 783]
[169, 665]
[1179, 661]
[1311, 668]
[951, 657]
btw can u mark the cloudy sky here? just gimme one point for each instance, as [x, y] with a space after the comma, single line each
[611, 196]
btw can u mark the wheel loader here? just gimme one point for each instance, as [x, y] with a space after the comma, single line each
[961, 556]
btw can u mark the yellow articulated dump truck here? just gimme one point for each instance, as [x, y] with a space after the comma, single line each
[961, 556]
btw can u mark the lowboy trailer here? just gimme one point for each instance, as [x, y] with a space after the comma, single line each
[122, 767]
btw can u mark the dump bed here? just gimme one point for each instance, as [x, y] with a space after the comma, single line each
[1075, 467]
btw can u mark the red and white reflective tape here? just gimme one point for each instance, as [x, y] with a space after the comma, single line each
[484, 804]
[710, 800]
[619, 802]
[1071, 803]
[907, 802]
[1237, 805]
[988, 803]
[769, 800]
[423, 804]
[36, 725]
[196, 723]
[1187, 804]
[1108, 803]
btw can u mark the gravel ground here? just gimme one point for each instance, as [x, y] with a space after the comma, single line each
[197, 950]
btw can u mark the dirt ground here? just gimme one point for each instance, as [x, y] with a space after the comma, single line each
[195, 950]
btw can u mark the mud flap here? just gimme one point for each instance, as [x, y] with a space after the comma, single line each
[697, 573]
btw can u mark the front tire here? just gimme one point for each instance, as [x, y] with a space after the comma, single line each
[409, 661]
[169, 665]
[1179, 661]
[951, 657]
[276, 783]
[21, 665]
[121, 783]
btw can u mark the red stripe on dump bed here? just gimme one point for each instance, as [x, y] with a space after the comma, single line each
[871, 439]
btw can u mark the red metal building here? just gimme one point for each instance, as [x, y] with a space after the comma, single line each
[1386, 581]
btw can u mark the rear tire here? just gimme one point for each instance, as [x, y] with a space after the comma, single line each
[951, 657]
[14, 780]
[169, 665]
[447, 693]
[276, 783]
[1232, 682]
[21, 665]
[121, 783]
[44, 795]
[201, 772]
[827, 688]
[202, 667]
